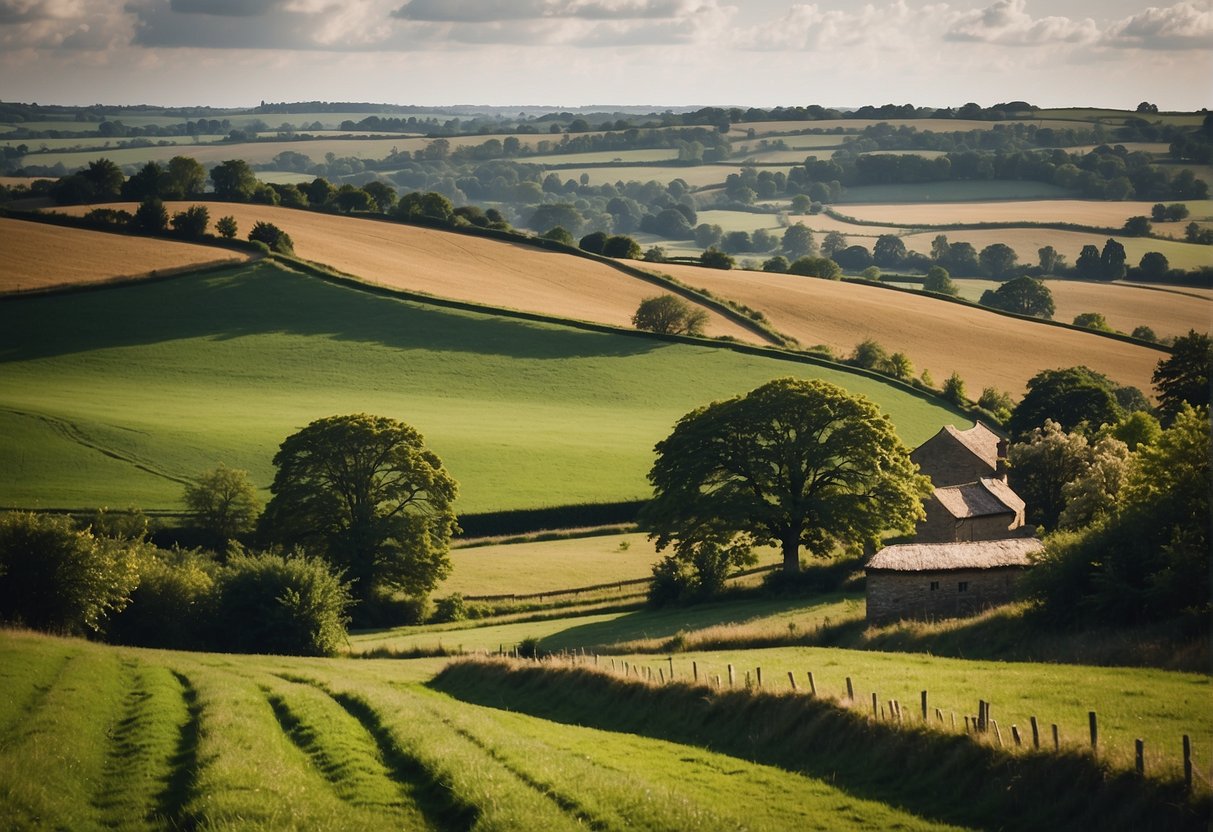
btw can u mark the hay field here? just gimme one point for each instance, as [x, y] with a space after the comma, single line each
[1082, 211]
[985, 348]
[934, 125]
[40, 256]
[1126, 306]
[697, 176]
[655, 154]
[994, 189]
[462, 267]
[1028, 241]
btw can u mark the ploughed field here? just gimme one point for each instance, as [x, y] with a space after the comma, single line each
[985, 348]
[119, 396]
[460, 266]
[39, 256]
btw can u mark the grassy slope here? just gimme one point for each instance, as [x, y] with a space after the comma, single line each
[524, 414]
[38, 256]
[1085, 211]
[462, 267]
[96, 736]
[985, 348]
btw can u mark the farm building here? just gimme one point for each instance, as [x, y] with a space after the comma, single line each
[955, 457]
[983, 510]
[944, 580]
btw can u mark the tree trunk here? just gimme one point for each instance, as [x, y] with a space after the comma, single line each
[791, 553]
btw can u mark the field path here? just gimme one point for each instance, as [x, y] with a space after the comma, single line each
[41, 256]
[986, 349]
[462, 267]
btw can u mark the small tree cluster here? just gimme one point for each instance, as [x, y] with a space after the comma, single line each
[669, 315]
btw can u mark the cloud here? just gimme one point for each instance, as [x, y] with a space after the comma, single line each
[1182, 26]
[23, 11]
[224, 8]
[1007, 23]
[505, 11]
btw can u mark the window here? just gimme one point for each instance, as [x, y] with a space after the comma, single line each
[934, 585]
[962, 586]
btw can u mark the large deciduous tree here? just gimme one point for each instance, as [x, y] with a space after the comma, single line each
[1024, 295]
[1184, 377]
[224, 502]
[364, 492]
[793, 463]
[1070, 397]
[669, 315]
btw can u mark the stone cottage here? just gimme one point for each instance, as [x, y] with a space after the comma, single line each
[955, 457]
[983, 510]
[944, 580]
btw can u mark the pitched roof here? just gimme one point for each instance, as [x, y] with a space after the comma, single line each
[979, 439]
[983, 498]
[936, 557]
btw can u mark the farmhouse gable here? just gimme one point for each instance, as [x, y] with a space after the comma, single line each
[955, 457]
[983, 510]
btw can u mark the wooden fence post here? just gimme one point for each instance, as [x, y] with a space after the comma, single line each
[695, 670]
[850, 691]
[671, 668]
[924, 706]
[1056, 738]
[792, 679]
[1015, 735]
[1140, 748]
[661, 673]
[731, 676]
[812, 684]
[1094, 723]
[717, 680]
[1035, 734]
[997, 733]
[939, 716]
[759, 671]
[875, 712]
[982, 725]
[1188, 762]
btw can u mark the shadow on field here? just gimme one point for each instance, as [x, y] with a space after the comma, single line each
[261, 299]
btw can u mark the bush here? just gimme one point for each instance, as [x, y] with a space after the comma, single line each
[1092, 320]
[269, 603]
[621, 247]
[954, 389]
[668, 314]
[560, 235]
[54, 576]
[192, 222]
[822, 267]
[226, 226]
[272, 236]
[150, 217]
[714, 258]
[450, 608]
[594, 242]
[171, 607]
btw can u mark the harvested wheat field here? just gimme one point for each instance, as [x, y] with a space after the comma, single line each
[1167, 311]
[1099, 213]
[40, 256]
[462, 267]
[986, 349]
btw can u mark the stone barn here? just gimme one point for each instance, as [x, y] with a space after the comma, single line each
[955, 457]
[944, 580]
[983, 510]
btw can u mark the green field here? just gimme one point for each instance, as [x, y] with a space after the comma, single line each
[953, 192]
[116, 397]
[656, 154]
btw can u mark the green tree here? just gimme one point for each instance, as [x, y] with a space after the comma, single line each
[1040, 467]
[1145, 333]
[1184, 377]
[224, 502]
[234, 180]
[794, 462]
[621, 247]
[998, 403]
[1138, 226]
[870, 355]
[148, 182]
[364, 492]
[1092, 320]
[273, 236]
[871, 273]
[1050, 261]
[1088, 265]
[1024, 295]
[559, 235]
[184, 179]
[151, 217]
[1093, 493]
[889, 251]
[900, 366]
[997, 260]
[1070, 397]
[54, 576]
[954, 389]
[1135, 429]
[227, 227]
[707, 235]
[1112, 260]
[714, 258]
[938, 280]
[797, 241]
[778, 264]
[105, 179]
[192, 222]
[669, 314]
[822, 267]
[383, 194]
[833, 243]
[655, 254]
[593, 242]
[1154, 265]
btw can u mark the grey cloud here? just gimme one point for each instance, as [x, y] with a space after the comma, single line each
[1182, 26]
[1008, 23]
[25, 11]
[509, 11]
[224, 8]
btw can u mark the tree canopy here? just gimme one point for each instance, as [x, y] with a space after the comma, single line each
[1184, 377]
[224, 502]
[365, 493]
[1024, 295]
[670, 315]
[1069, 397]
[794, 462]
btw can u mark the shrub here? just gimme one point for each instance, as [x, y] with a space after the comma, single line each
[1145, 333]
[938, 280]
[227, 228]
[954, 389]
[1092, 320]
[54, 576]
[171, 606]
[670, 315]
[594, 243]
[270, 603]
[822, 267]
[450, 608]
[778, 264]
[272, 236]
[108, 216]
[559, 234]
[150, 217]
[192, 222]
[714, 258]
[623, 247]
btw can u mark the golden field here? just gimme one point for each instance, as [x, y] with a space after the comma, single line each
[986, 349]
[1081, 211]
[40, 256]
[459, 266]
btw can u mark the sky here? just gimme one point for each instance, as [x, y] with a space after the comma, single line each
[568, 53]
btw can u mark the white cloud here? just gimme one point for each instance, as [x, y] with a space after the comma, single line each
[1008, 23]
[1182, 26]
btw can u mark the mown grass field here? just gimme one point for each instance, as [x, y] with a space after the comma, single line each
[118, 396]
[98, 737]
[39, 256]
[953, 192]
[1166, 310]
[985, 348]
[461, 266]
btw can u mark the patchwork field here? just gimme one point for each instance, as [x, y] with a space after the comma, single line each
[985, 348]
[112, 398]
[1082, 211]
[1168, 311]
[462, 267]
[953, 192]
[40, 256]
[697, 176]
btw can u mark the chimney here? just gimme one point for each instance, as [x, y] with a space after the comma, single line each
[1000, 469]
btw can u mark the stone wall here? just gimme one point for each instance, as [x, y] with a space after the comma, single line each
[947, 462]
[944, 594]
[941, 527]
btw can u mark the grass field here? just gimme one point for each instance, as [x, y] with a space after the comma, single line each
[39, 256]
[92, 143]
[656, 154]
[1081, 211]
[1028, 241]
[697, 176]
[98, 737]
[1166, 311]
[110, 398]
[984, 348]
[936, 125]
[952, 192]
[462, 267]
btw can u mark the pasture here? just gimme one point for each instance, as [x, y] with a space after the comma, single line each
[112, 397]
[976, 191]
[1079, 211]
[462, 267]
[40, 256]
[98, 736]
[697, 176]
[623, 157]
[986, 349]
